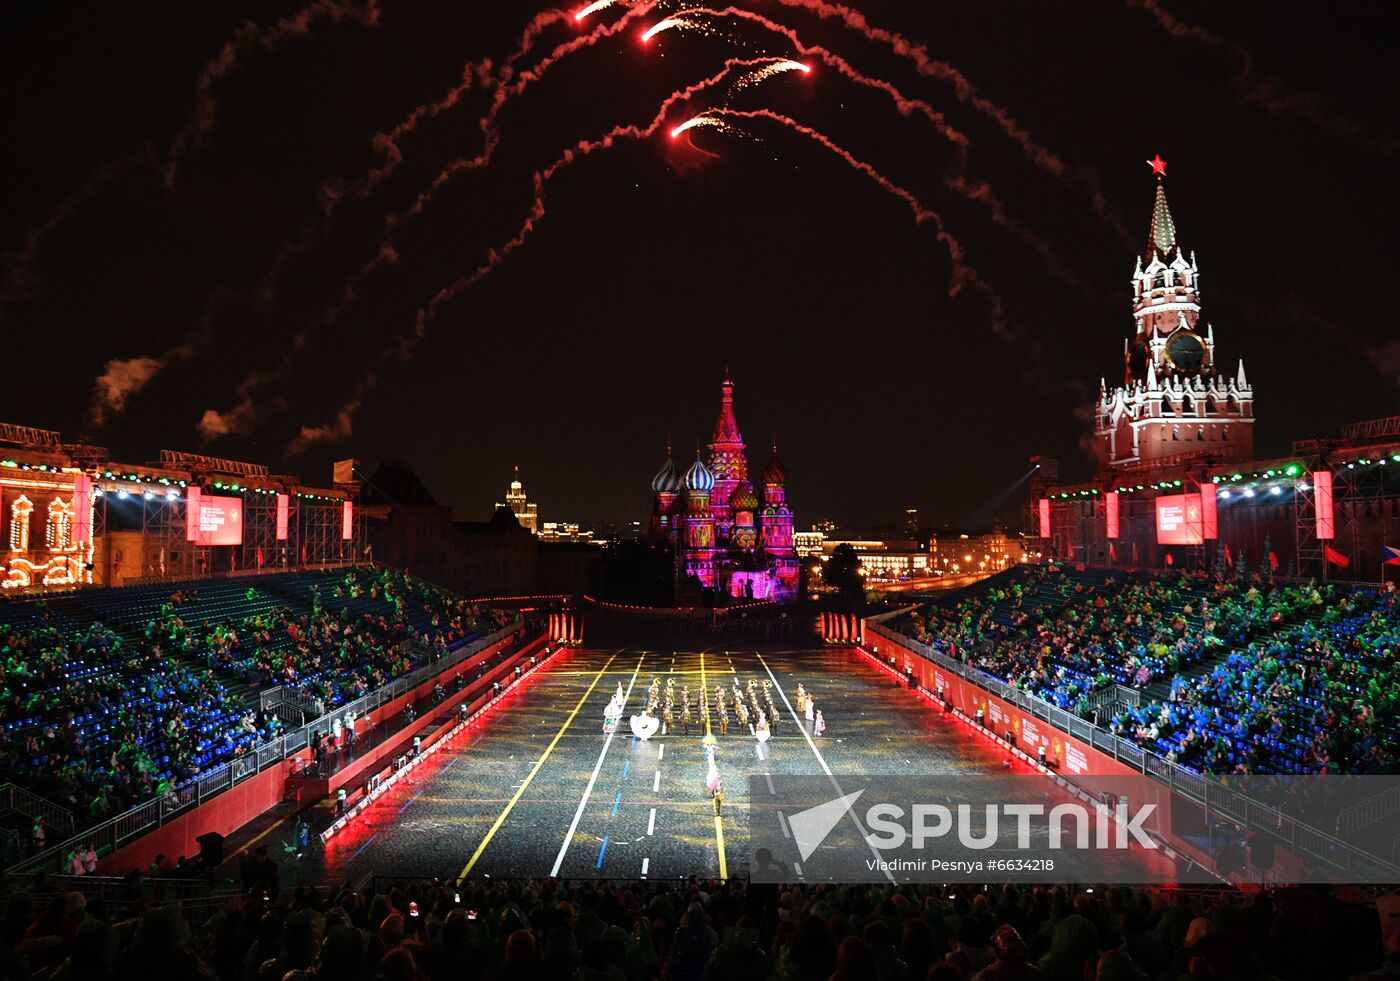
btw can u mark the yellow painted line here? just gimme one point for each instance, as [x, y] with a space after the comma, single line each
[534, 770]
[719, 823]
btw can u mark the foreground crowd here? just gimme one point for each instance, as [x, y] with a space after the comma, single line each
[611, 931]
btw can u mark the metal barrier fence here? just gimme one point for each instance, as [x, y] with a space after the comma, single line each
[1204, 790]
[118, 831]
[14, 798]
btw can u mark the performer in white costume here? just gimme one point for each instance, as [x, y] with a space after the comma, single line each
[612, 715]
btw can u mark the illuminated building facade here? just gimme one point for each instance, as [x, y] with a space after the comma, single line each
[1174, 404]
[525, 511]
[729, 535]
[563, 531]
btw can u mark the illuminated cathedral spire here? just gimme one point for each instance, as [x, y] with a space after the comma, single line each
[727, 460]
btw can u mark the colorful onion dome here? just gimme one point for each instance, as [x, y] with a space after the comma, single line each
[743, 498]
[667, 479]
[699, 478]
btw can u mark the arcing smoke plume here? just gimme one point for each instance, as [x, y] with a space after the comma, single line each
[1253, 89]
[247, 37]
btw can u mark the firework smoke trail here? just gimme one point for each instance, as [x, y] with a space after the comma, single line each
[1266, 93]
[979, 192]
[475, 73]
[21, 280]
[925, 64]
[905, 105]
[402, 348]
[249, 35]
[243, 416]
[122, 379]
[964, 275]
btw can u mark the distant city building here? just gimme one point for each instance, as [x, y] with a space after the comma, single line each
[911, 521]
[563, 531]
[524, 511]
[898, 559]
[808, 543]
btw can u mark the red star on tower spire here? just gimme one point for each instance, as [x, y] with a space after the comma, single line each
[1158, 165]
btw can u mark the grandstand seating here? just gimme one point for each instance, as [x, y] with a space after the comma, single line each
[113, 696]
[1236, 675]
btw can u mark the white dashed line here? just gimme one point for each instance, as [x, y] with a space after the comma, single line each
[818, 754]
[656, 783]
[646, 862]
[660, 751]
[651, 822]
[782, 823]
[587, 791]
[769, 778]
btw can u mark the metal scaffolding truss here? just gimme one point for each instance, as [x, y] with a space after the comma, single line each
[199, 463]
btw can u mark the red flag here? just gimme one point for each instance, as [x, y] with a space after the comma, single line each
[1273, 562]
[1229, 559]
[1334, 557]
[1134, 553]
[1390, 555]
[1169, 558]
[1112, 553]
[259, 556]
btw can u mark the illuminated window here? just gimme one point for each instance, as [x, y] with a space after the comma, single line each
[59, 531]
[19, 524]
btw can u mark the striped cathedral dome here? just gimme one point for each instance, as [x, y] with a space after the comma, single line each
[699, 478]
[667, 479]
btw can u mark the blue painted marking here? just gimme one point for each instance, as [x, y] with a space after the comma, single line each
[616, 801]
[625, 767]
[601, 851]
[450, 765]
[363, 847]
[411, 800]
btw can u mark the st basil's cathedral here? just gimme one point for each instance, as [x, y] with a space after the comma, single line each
[726, 535]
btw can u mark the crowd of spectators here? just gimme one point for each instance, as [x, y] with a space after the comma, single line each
[96, 723]
[699, 931]
[350, 635]
[1317, 695]
[98, 720]
[1259, 675]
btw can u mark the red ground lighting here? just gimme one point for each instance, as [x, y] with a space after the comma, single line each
[516, 686]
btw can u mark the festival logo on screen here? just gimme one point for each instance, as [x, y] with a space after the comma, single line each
[216, 520]
[1179, 520]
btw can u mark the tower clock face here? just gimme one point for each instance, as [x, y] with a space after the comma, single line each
[1186, 351]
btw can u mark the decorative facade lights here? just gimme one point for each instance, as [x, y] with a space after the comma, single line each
[20, 511]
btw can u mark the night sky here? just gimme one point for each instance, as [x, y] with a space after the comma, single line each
[168, 167]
